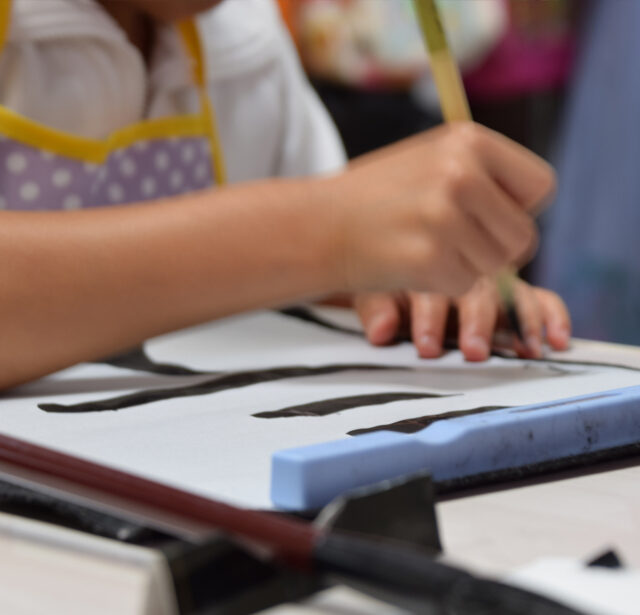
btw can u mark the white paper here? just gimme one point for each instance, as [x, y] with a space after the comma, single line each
[212, 445]
[594, 590]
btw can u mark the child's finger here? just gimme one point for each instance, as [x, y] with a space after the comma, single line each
[380, 315]
[556, 318]
[477, 317]
[531, 320]
[429, 313]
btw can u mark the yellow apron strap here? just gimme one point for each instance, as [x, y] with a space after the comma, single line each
[191, 39]
[5, 20]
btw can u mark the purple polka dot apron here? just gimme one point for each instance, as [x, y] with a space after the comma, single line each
[45, 169]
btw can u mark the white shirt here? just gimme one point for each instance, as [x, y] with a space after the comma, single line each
[68, 65]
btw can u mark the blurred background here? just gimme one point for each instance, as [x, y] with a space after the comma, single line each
[559, 76]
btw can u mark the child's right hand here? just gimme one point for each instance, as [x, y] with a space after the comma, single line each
[438, 211]
[433, 213]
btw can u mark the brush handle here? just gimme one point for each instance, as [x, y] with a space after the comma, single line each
[455, 108]
[506, 283]
[290, 539]
[402, 575]
[413, 580]
[444, 69]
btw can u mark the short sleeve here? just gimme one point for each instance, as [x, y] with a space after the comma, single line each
[271, 121]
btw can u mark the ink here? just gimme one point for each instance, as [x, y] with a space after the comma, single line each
[416, 424]
[306, 315]
[558, 363]
[137, 359]
[332, 406]
[609, 559]
[234, 380]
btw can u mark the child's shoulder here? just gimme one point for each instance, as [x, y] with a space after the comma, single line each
[74, 42]
[241, 36]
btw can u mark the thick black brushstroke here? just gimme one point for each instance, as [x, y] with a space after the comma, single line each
[233, 380]
[416, 424]
[608, 559]
[306, 315]
[138, 360]
[325, 407]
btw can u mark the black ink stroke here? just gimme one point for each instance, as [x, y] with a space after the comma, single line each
[306, 315]
[234, 380]
[416, 424]
[325, 407]
[558, 363]
[137, 359]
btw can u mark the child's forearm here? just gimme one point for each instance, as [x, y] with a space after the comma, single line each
[78, 286]
[433, 213]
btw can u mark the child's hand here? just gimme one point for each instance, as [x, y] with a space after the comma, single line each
[428, 317]
[437, 212]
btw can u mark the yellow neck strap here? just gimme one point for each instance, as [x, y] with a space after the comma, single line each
[5, 19]
[191, 38]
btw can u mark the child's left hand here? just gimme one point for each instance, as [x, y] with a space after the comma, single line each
[425, 317]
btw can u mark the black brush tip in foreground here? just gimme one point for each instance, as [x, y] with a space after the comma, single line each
[413, 580]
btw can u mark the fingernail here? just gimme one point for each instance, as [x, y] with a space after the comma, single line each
[534, 346]
[428, 346]
[478, 346]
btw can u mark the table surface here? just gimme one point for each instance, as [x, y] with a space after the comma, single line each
[570, 514]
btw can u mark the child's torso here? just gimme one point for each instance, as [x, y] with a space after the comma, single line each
[85, 124]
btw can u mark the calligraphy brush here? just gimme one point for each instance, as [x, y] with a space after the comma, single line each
[455, 108]
[403, 575]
